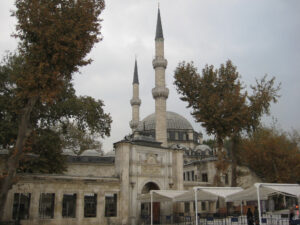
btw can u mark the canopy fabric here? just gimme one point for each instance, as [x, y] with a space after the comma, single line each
[265, 189]
[201, 196]
[208, 193]
[291, 189]
[160, 195]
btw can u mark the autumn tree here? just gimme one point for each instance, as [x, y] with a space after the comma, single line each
[222, 106]
[272, 155]
[54, 38]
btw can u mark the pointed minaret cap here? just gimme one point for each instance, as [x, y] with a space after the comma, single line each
[159, 31]
[135, 74]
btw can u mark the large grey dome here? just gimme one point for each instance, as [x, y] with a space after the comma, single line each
[174, 122]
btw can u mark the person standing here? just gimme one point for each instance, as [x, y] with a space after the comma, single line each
[256, 216]
[291, 215]
[249, 217]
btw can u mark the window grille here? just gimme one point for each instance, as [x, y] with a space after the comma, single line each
[69, 206]
[46, 205]
[90, 205]
[21, 206]
[111, 205]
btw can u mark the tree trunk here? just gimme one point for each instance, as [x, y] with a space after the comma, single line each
[217, 178]
[24, 131]
[233, 152]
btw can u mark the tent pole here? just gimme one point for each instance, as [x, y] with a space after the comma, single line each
[241, 208]
[258, 203]
[151, 206]
[196, 206]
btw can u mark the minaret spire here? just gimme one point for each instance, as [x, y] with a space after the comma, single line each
[135, 101]
[135, 74]
[160, 92]
[159, 30]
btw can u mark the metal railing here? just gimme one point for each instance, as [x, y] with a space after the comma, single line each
[182, 219]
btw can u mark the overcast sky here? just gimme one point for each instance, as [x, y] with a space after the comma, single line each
[259, 36]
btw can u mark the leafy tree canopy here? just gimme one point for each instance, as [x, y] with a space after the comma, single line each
[222, 106]
[272, 154]
[218, 99]
[67, 122]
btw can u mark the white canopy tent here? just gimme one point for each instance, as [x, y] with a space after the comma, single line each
[261, 191]
[208, 193]
[159, 196]
[197, 194]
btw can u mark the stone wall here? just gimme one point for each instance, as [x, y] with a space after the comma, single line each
[60, 185]
[91, 170]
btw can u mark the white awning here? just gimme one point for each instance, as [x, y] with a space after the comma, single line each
[265, 189]
[208, 193]
[261, 191]
[161, 195]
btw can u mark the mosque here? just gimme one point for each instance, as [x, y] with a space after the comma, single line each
[163, 152]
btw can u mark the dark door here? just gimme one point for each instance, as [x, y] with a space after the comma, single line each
[156, 212]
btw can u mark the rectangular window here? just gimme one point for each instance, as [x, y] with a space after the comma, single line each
[203, 206]
[187, 207]
[183, 176]
[176, 136]
[46, 205]
[111, 205]
[226, 178]
[193, 176]
[172, 135]
[21, 206]
[188, 176]
[204, 177]
[90, 205]
[69, 206]
[180, 136]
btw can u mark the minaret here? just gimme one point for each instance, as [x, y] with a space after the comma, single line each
[135, 101]
[160, 92]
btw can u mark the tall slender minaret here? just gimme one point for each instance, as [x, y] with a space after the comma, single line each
[135, 101]
[160, 92]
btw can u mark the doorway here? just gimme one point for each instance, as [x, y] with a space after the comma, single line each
[146, 207]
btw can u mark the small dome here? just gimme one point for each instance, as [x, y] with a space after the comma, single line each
[202, 148]
[90, 152]
[69, 152]
[110, 153]
[174, 122]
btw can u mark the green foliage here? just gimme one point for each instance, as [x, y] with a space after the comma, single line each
[78, 140]
[272, 155]
[68, 121]
[210, 142]
[47, 145]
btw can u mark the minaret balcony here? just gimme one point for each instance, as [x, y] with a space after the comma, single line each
[135, 101]
[133, 124]
[159, 62]
[160, 92]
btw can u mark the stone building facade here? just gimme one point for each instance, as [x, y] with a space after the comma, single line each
[162, 153]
